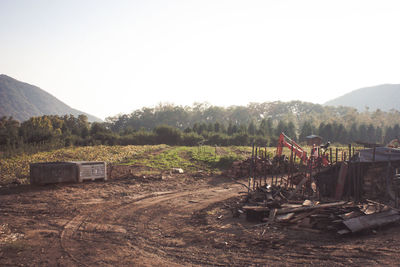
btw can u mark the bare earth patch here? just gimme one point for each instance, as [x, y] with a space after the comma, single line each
[179, 221]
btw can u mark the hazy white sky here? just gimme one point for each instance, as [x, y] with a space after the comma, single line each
[106, 57]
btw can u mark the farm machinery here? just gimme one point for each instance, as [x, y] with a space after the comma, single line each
[317, 158]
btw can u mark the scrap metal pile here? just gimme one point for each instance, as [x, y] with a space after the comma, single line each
[279, 205]
[346, 197]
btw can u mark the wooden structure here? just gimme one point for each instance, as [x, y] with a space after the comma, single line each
[314, 140]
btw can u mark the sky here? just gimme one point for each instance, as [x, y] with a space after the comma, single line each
[108, 57]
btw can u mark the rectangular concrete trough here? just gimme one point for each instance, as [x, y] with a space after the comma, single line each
[64, 172]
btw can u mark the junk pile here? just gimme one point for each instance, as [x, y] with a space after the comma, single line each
[371, 174]
[347, 197]
[260, 165]
[284, 206]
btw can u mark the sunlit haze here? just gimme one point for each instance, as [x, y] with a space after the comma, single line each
[109, 57]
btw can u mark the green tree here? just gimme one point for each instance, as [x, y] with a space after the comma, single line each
[291, 130]
[252, 128]
[305, 130]
[371, 134]
[167, 135]
[281, 127]
[9, 132]
[362, 129]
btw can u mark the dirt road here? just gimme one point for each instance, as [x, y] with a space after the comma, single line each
[180, 221]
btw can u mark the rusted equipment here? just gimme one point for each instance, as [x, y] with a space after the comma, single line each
[348, 196]
[62, 172]
[395, 143]
[284, 140]
[317, 157]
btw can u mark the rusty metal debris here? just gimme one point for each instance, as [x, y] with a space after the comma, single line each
[360, 192]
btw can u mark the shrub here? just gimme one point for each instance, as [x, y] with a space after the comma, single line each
[191, 139]
[168, 135]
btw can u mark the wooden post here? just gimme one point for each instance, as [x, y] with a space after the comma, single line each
[261, 165]
[349, 152]
[291, 181]
[290, 175]
[336, 156]
[373, 155]
[255, 167]
[388, 175]
[360, 178]
[251, 167]
[341, 180]
[265, 166]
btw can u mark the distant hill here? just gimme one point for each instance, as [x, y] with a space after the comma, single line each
[22, 101]
[384, 97]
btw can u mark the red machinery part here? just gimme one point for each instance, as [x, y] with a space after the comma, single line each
[284, 140]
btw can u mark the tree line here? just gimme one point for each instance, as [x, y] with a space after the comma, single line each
[296, 112]
[161, 126]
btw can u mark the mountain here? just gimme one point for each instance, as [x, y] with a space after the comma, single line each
[384, 97]
[22, 101]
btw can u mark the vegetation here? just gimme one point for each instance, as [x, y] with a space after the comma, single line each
[206, 158]
[157, 158]
[153, 159]
[201, 125]
[18, 166]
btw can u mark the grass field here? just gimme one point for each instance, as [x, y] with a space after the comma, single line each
[17, 168]
[157, 158]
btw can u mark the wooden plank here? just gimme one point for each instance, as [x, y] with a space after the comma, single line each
[284, 217]
[308, 202]
[298, 187]
[255, 208]
[305, 229]
[272, 215]
[341, 180]
[287, 205]
[320, 206]
[350, 215]
[372, 220]
[343, 232]
[303, 215]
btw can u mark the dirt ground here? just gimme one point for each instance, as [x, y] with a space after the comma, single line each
[177, 221]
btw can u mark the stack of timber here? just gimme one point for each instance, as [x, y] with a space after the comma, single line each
[281, 206]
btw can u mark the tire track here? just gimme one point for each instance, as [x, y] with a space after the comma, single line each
[115, 212]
